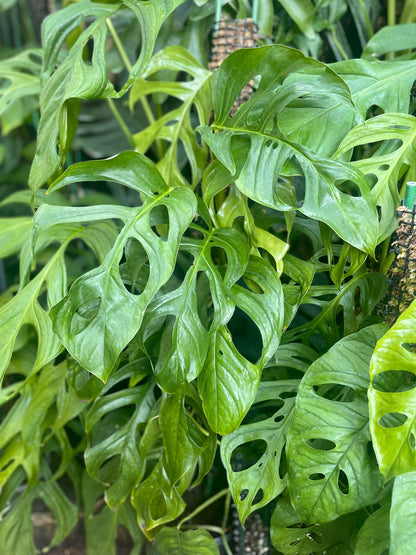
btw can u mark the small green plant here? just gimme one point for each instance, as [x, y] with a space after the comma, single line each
[197, 308]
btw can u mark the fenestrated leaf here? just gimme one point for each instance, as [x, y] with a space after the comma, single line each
[256, 152]
[291, 536]
[374, 537]
[386, 84]
[185, 345]
[172, 540]
[24, 307]
[392, 397]
[89, 319]
[76, 78]
[264, 479]
[176, 126]
[330, 470]
[20, 87]
[403, 515]
[113, 436]
[228, 382]
[385, 166]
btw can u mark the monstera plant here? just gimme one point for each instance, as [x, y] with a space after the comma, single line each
[194, 318]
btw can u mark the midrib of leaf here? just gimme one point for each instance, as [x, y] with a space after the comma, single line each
[171, 154]
[291, 146]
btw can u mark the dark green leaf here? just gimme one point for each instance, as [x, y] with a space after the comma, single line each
[172, 540]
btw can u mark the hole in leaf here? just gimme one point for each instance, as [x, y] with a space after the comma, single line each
[278, 418]
[379, 213]
[245, 335]
[84, 315]
[316, 476]
[373, 111]
[392, 420]
[412, 442]
[135, 271]
[384, 167]
[288, 394]
[343, 484]
[268, 143]
[370, 452]
[321, 444]
[371, 179]
[258, 497]
[243, 494]
[411, 347]
[247, 454]
[393, 381]
[335, 392]
[203, 300]
[159, 221]
[313, 536]
[283, 464]
[349, 187]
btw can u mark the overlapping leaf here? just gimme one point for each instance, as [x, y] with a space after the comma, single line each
[387, 165]
[20, 88]
[374, 537]
[264, 479]
[176, 126]
[392, 397]
[256, 152]
[172, 540]
[89, 320]
[330, 470]
[112, 436]
[76, 78]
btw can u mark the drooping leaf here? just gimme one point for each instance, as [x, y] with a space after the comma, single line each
[392, 38]
[262, 476]
[392, 397]
[172, 540]
[228, 382]
[175, 126]
[400, 130]
[403, 514]
[115, 436]
[75, 78]
[254, 149]
[89, 320]
[330, 470]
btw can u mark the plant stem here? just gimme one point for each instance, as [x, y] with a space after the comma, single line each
[207, 503]
[226, 510]
[391, 12]
[338, 45]
[121, 122]
[368, 25]
[143, 100]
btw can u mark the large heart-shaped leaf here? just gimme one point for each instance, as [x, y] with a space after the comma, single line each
[330, 470]
[89, 320]
[392, 397]
[253, 148]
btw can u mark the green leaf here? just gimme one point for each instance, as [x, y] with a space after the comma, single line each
[184, 442]
[175, 126]
[392, 38]
[88, 320]
[156, 501]
[121, 439]
[330, 470]
[387, 166]
[262, 478]
[302, 12]
[172, 540]
[403, 515]
[256, 152]
[291, 536]
[20, 88]
[374, 537]
[372, 82]
[14, 232]
[76, 78]
[392, 397]
[228, 382]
